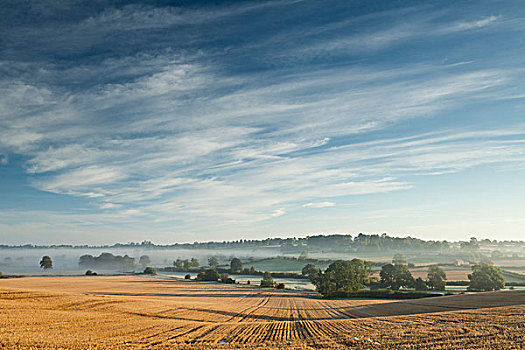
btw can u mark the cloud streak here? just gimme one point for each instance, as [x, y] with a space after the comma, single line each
[145, 115]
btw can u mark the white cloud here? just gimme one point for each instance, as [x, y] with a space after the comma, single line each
[319, 205]
[278, 212]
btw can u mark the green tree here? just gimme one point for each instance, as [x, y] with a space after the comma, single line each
[236, 265]
[178, 263]
[144, 260]
[213, 262]
[310, 271]
[194, 262]
[150, 271]
[267, 281]
[485, 277]
[436, 278]
[46, 263]
[396, 276]
[419, 284]
[208, 275]
[186, 264]
[343, 277]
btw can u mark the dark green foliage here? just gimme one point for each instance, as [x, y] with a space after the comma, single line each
[150, 271]
[485, 277]
[178, 264]
[280, 286]
[343, 277]
[436, 278]
[107, 261]
[236, 265]
[267, 281]
[90, 273]
[144, 260]
[310, 271]
[208, 275]
[187, 277]
[46, 263]
[396, 276]
[420, 285]
[213, 262]
[194, 262]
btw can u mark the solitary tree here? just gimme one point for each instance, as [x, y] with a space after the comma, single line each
[485, 277]
[396, 276]
[46, 263]
[267, 281]
[208, 275]
[213, 261]
[144, 260]
[436, 278]
[236, 265]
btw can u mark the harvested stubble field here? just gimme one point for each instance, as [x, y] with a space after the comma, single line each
[140, 312]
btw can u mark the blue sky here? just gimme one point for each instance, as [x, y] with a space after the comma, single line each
[212, 120]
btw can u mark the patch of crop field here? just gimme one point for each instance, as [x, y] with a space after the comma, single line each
[517, 263]
[154, 313]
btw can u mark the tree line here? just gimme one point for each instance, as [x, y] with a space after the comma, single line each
[347, 278]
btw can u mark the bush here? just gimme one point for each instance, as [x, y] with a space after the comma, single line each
[90, 273]
[150, 271]
[385, 294]
[225, 278]
[280, 286]
[208, 275]
[267, 281]
[187, 277]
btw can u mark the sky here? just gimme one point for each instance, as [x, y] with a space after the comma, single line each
[182, 121]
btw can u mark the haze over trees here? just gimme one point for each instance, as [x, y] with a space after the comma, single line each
[107, 261]
[144, 260]
[236, 265]
[213, 262]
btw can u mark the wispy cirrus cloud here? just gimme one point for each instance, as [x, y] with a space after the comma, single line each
[319, 205]
[146, 115]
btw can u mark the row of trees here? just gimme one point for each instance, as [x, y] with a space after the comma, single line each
[344, 278]
[186, 264]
